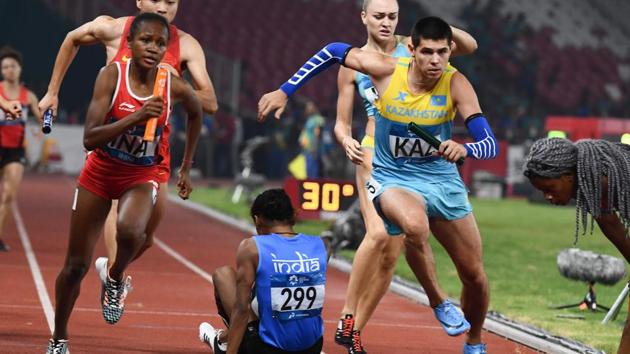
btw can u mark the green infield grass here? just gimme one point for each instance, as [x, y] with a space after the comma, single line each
[520, 244]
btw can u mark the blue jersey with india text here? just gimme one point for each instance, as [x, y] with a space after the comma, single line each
[290, 289]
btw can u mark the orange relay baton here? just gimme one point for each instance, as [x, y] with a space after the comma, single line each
[158, 90]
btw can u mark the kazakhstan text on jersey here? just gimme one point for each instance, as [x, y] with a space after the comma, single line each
[399, 154]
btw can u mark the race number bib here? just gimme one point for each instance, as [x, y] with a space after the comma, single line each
[366, 88]
[373, 188]
[131, 147]
[370, 94]
[406, 147]
[297, 296]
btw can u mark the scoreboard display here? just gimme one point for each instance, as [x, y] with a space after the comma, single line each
[320, 198]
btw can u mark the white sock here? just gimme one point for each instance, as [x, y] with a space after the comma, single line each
[222, 346]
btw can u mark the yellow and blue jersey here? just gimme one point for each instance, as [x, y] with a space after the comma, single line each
[400, 154]
[364, 85]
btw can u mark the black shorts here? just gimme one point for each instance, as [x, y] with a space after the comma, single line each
[9, 155]
[253, 344]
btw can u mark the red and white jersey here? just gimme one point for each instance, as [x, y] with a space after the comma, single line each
[130, 148]
[171, 57]
[12, 131]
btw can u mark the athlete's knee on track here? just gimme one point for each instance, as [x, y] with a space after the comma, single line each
[220, 275]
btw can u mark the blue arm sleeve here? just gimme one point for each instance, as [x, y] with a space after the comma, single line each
[485, 146]
[327, 56]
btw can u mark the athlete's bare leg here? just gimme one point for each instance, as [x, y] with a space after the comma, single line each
[109, 232]
[614, 231]
[624, 346]
[423, 266]
[11, 179]
[224, 280]
[462, 241]
[374, 242]
[156, 218]
[86, 223]
[154, 221]
[407, 210]
[379, 283]
[134, 211]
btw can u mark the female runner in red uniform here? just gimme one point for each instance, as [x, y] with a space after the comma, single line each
[12, 129]
[183, 53]
[122, 166]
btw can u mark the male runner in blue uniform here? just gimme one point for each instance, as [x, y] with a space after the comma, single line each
[376, 257]
[414, 186]
[285, 274]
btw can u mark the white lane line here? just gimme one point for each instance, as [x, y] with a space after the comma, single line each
[44, 299]
[127, 310]
[214, 315]
[181, 259]
[35, 271]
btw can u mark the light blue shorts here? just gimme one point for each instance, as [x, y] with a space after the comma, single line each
[446, 199]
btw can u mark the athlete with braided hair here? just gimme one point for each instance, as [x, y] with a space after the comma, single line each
[595, 173]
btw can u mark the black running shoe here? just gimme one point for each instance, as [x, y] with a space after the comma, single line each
[57, 346]
[356, 347]
[343, 334]
[113, 294]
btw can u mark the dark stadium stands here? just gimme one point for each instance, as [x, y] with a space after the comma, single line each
[535, 57]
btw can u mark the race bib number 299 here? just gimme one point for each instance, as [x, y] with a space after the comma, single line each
[296, 296]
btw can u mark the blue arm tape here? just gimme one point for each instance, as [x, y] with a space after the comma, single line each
[485, 146]
[327, 56]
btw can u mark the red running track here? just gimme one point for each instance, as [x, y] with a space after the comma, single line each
[170, 299]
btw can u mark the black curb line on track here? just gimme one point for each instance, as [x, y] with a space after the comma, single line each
[496, 323]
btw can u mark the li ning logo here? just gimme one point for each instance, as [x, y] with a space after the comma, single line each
[124, 106]
[302, 264]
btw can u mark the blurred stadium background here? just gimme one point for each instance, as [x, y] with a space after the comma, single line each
[536, 60]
